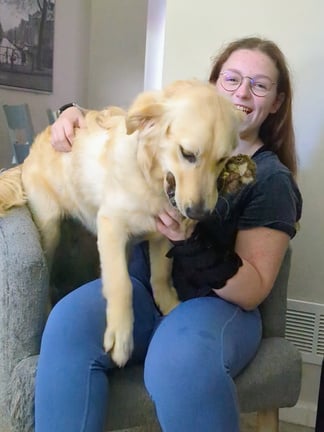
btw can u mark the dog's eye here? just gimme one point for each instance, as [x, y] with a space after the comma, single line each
[189, 156]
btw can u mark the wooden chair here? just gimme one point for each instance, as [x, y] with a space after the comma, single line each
[21, 130]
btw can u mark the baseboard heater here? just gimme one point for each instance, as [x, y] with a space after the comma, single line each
[305, 329]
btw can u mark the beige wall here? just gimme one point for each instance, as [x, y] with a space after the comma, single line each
[99, 59]
[117, 51]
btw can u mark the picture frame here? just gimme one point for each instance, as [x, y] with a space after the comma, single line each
[27, 44]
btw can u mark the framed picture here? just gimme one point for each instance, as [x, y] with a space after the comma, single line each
[27, 44]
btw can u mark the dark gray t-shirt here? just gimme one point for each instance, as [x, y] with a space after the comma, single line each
[273, 200]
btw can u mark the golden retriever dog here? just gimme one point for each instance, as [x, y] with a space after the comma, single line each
[124, 169]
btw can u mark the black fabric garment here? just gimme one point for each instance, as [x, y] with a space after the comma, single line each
[207, 260]
[201, 266]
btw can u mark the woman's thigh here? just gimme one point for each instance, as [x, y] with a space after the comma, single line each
[192, 359]
[71, 382]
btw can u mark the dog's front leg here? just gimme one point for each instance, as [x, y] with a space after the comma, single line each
[165, 295]
[117, 288]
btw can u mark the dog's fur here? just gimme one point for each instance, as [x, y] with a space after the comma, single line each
[124, 169]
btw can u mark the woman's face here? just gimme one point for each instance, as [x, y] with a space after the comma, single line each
[252, 64]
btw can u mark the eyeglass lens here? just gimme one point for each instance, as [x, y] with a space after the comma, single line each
[231, 81]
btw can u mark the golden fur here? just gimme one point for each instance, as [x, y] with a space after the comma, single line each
[124, 169]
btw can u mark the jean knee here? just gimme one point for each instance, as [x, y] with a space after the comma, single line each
[204, 338]
[182, 348]
[79, 316]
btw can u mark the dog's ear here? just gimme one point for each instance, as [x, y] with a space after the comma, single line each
[240, 116]
[228, 125]
[146, 111]
[146, 116]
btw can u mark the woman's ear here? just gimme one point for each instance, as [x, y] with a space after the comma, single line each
[277, 103]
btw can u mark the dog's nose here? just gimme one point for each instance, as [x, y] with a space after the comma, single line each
[197, 212]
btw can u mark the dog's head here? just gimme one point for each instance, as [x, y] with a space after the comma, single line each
[186, 134]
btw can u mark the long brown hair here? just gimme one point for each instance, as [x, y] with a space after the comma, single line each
[276, 132]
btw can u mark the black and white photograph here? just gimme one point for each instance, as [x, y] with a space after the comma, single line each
[27, 44]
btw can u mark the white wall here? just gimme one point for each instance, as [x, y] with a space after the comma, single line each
[117, 51]
[195, 31]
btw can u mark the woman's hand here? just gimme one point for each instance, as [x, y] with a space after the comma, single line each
[172, 224]
[63, 128]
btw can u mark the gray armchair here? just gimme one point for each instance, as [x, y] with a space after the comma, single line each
[271, 381]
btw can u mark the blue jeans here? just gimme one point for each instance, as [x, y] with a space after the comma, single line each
[190, 358]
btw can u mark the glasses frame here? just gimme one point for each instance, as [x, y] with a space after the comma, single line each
[251, 80]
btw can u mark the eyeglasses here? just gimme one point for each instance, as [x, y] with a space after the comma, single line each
[260, 85]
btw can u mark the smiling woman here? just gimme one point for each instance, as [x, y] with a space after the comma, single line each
[221, 273]
[252, 57]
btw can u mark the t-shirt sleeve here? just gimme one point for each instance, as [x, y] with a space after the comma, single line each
[274, 202]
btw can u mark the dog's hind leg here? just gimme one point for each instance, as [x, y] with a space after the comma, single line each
[164, 293]
[47, 216]
[12, 193]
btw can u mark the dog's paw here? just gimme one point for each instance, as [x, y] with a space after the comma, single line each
[239, 170]
[166, 300]
[118, 341]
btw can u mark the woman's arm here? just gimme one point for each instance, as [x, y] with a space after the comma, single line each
[262, 251]
[63, 128]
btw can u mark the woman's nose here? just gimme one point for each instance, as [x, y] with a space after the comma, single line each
[245, 88]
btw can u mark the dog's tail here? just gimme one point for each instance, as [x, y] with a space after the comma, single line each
[12, 193]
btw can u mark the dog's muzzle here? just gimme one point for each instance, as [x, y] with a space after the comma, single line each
[195, 212]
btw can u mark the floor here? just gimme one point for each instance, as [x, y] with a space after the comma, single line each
[249, 422]
[248, 425]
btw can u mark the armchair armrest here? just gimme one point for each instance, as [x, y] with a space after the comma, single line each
[24, 298]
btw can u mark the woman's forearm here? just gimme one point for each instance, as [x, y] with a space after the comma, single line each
[245, 288]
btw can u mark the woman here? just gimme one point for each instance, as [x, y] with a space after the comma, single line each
[222, 273]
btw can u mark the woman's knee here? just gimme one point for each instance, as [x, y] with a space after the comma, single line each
[78, 321]
[79, 315]
[201, 337]
[183, 342]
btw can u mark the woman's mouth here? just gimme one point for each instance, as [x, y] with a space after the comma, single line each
[243, 108]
